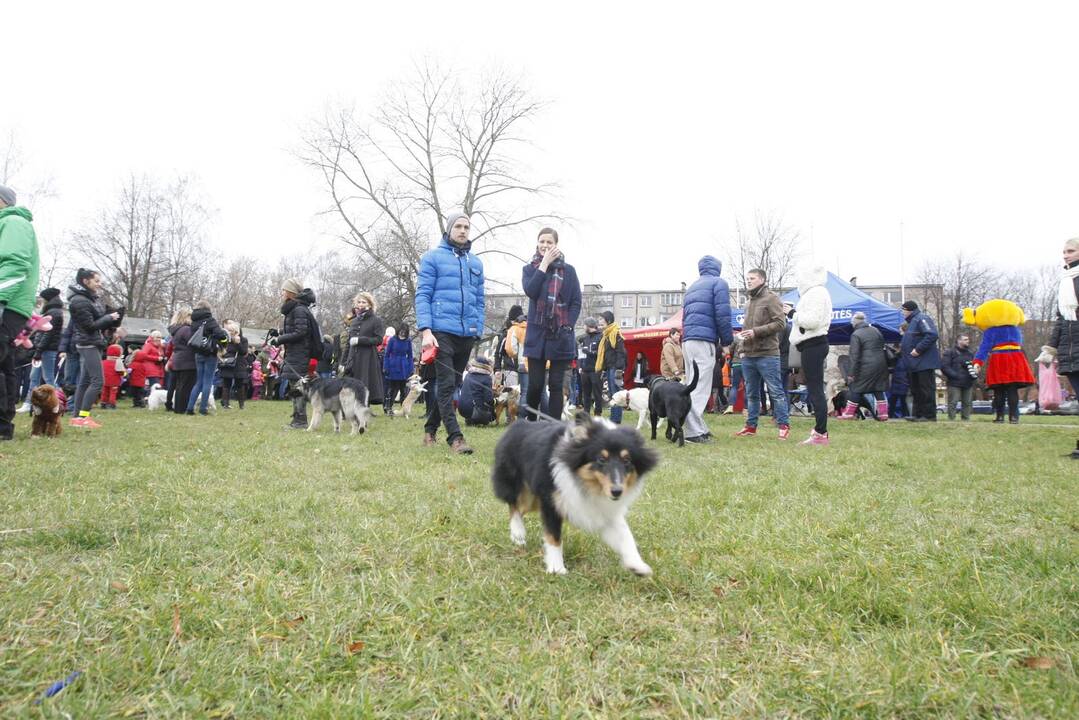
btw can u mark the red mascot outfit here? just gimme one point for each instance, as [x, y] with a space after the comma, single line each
[1001, 352]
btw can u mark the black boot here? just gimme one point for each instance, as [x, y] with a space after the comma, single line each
[1000, 417]
[225, 397]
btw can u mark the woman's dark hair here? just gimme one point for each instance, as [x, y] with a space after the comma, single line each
[402, 331]
[84, 274]
[549, 231]
[673, 331]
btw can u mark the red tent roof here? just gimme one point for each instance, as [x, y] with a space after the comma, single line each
[654, 331]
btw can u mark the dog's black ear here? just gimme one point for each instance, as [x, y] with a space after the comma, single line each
[582, 425]
[644, 458]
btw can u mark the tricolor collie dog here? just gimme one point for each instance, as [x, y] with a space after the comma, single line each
[588, 472]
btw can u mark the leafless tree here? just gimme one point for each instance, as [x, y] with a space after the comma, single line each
[15, 173]
[148, 247]
[434, 145]
[964, 282]
[770, 245]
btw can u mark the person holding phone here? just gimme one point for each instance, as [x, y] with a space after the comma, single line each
[554, 294]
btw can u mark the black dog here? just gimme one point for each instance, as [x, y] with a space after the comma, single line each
[670, 399]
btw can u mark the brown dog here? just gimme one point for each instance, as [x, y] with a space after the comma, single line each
[415, 387]
[507, 401]
[45, 407]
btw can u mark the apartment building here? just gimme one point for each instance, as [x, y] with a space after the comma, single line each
[631, 308]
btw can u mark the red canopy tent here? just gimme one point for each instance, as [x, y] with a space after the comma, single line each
[648, 340]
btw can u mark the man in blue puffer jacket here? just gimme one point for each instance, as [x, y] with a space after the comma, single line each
[706, 320]
[449, 314]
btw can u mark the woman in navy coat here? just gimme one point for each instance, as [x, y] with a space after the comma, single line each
[554, 295]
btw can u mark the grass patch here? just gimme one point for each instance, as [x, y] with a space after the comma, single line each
[225, 567]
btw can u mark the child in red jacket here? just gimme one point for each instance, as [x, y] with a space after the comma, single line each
[114, 370]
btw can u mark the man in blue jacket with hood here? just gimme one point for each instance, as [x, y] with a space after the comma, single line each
[706, 320]
[449, 315]
[921, 354]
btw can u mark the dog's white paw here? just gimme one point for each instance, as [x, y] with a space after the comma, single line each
[553, 569]
[517, 530]
[642, 568]
[552, 558]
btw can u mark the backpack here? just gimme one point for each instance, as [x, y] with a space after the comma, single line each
[200, 342]
[890, 356]
[316, 349]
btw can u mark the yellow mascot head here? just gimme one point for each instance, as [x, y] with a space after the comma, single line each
[994, 313]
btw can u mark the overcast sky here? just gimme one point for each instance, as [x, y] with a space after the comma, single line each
[666, 122]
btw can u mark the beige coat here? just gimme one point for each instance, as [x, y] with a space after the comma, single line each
[671, 363]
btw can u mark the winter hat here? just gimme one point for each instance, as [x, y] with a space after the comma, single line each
[114, 351]
[608, 316]
[909, 305]
[49, 293]
[293, 286]
[858, 317]
[7, 195]
[590, 322]
[452, 218]
[483, 364]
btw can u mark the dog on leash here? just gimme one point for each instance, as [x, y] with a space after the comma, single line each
[671, 399]
[344, 398]
[47, 411]
[587, 472]
[508, 402]
[415, 387]
[157, 397]
[635, 399]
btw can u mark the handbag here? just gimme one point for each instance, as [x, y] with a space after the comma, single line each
[891, 356]
[794, 357]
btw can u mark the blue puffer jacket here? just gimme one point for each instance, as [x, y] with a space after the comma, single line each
[921, 335]
[539, 344]
[706, 309]
[449, 291]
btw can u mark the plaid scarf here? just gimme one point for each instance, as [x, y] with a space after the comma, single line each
[552, 311]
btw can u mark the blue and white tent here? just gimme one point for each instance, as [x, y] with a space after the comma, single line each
[846, 300]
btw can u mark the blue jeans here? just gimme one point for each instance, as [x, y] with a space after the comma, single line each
[205, 367]
[614, 384]
[44, 373]
[756, 369]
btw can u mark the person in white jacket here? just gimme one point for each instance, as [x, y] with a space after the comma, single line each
[809, 333]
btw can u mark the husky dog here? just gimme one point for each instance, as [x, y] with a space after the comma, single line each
[157, 397]
[415, 387]
[345, 398]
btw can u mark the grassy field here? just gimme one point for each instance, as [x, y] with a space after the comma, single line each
[225, 567]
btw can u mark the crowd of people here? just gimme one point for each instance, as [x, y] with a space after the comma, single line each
[780, 355]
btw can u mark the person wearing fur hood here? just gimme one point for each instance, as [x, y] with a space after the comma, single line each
[809, 334]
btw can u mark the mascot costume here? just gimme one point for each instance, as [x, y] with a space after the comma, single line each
[1001, 352]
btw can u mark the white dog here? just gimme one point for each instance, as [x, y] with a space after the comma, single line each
[635, 399]
[415, 387]
[158, 396]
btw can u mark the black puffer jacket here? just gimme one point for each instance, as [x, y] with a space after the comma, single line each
[210, 328]
[955, 364]
[296, 329]
[235, 363]
[47, 341]
[1065, 339]
[868, 363]
[88, 317]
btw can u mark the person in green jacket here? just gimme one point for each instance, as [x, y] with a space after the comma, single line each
[18, 288]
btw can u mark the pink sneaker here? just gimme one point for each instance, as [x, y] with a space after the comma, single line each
[784, 432]
[816, 438]
[76, 422]
[747, 431]
[90, 424]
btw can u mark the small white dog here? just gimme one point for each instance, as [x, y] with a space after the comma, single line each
[635, 400]
[415, 387]
[158, 396]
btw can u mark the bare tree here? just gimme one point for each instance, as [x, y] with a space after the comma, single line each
[964, 282]
[148, 247]
[14, 172]
[433, 145]
[770, 245]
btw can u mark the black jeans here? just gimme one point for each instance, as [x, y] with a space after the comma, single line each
[923, 386]
[234, 387]
[556, 375]
[395, 393]
[1009, 393]
[814, 355]
[592, 392]
[453, 354]
[10, 324]
[294, 373]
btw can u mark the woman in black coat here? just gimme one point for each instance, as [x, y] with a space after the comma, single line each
[235, 367]
[364, 336]
[868, 370]
[554, 295]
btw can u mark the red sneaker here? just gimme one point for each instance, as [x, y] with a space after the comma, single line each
[90, 424]
[784, 432]
[747, 431]
[76, 422]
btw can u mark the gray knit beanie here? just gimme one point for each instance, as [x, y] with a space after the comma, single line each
[454, 217]
[7, 196]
